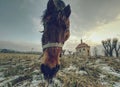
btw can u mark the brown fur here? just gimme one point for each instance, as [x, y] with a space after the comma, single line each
[51, 56]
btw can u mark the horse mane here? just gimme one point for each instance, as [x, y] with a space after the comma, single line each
[59, 5]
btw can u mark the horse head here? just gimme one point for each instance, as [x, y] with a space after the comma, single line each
[56, 31]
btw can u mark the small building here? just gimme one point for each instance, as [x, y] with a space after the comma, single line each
[83, 49]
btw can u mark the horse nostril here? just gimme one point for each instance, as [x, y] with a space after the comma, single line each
[48, 72]
[55, 69]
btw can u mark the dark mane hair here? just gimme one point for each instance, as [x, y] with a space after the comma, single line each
[58, 5]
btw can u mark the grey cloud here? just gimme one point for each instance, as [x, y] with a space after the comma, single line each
[87, 14]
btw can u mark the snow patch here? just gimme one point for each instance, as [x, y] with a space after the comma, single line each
[110, 70]
[98, 61]
[81, 72]
[35, 83]
[117, 84]
[71, 68]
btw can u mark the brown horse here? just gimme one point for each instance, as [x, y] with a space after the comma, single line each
[56, 32]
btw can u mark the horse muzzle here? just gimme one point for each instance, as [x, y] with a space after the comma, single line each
[48, 72]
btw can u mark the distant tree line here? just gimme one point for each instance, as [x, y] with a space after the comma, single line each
[7, 51]
[110, 46]
[13, 51]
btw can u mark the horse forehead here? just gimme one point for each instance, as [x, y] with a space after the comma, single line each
[53, 20]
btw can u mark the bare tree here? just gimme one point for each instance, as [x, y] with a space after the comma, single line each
[108, 46]
[116, 46]
[105, 53]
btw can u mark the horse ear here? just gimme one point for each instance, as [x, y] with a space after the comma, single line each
[50, 5]
[67, 11]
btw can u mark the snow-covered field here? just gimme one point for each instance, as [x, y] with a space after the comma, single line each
[22, 70]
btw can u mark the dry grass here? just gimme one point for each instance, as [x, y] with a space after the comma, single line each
[71, 79]
[68, 78]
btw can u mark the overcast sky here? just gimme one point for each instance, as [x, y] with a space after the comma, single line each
[91, 20]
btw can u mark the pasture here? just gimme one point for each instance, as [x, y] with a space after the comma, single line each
[24, 70]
